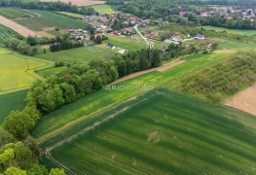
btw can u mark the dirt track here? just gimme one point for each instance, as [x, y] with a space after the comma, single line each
[78, 2]
[160, 69]
[17, 27]
[245, 100]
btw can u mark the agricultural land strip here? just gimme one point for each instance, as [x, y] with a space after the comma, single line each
[17, 27]
[244, 100]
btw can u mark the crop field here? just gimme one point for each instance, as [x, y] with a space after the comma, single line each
[106, 9]
[6, 33]
[12, 13]
[96, 102]
[160, 132]
[233, 31]
[47, 19]
[10, 102]
[17, 71]
[78, 55]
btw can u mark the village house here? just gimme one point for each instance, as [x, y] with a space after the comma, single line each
[99, 35]
[111, 46]
[199, 37]
[126, 30]
[176, 38]
[117, 33]
[134, 36]
[203, 14]
[182, 13]
[154, 33]
[133, 19]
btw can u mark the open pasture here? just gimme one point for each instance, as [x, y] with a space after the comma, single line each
[17, 71]
[106, 9]
[10, 102]
[47, 19]
[78, 55]
[251, 33]
[160, 132]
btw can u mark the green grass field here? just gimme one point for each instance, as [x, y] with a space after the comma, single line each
[13, 13]
[17, 71]
[233, 31]
[10, 102]
[161, 132]
[78, 55]
[106, 9]
[46, 19]
[46, 73]
[126, 43]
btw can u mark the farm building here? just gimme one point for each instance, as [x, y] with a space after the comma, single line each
[176, 38]
[199, 36]
[110, 46]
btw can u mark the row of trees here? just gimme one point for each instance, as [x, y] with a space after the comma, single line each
[52, 6]
[65, 46]
[22, 47]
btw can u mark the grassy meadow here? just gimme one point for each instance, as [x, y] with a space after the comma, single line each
[10, 102]
[78, 55]
[251, 33]
[106, 9]
[46, 73]
[161, 132]
[17, 71]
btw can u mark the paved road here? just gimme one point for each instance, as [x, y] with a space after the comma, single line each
[145, 39]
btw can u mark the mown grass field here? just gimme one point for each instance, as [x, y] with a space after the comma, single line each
[47, 19]
[13, 13]
[53, 71]
[78, 55]
[125, 43]
[161, 132]
[10, 102]
[251, 33]
[106, 9]
[17, 71]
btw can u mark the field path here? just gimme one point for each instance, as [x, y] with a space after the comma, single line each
[160, 69]
[78, 2]
[244, 100]
[17, 27]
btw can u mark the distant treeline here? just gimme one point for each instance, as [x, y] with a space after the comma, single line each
[52, 6]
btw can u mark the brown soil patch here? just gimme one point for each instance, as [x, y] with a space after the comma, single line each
[244, 100]
[17, 27]
[45, 34]
[78, 2]
[160, 69]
